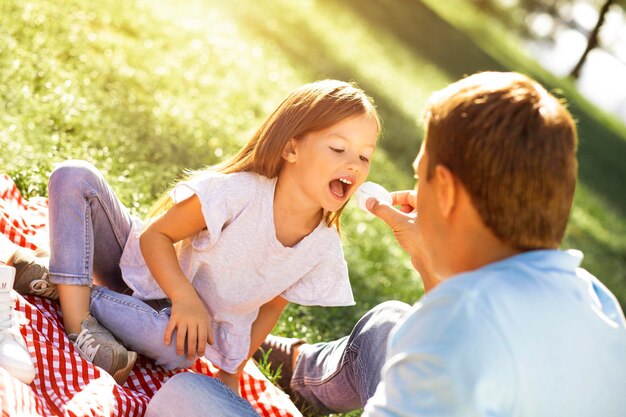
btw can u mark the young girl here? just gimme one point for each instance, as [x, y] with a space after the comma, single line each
[229, 247]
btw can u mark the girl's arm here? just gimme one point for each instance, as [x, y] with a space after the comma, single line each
[189, 316]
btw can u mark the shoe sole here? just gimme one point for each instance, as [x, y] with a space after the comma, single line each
[121, 375]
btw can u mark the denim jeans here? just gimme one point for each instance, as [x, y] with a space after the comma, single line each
[139, 325]
[188, 394]
[89, 227]
[330, 377]
[342, 375]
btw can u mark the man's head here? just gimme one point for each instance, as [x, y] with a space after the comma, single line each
[512, 146]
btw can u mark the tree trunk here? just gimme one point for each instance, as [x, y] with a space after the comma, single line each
[593, 39]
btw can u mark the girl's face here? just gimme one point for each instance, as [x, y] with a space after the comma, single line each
[330, 164]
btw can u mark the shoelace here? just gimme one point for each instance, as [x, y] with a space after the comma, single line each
[43, 287]
[84, 342]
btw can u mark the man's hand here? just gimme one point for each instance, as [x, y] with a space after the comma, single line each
[403, 223]
[191, 320]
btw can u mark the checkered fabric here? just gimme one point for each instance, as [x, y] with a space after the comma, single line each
[25, 222]
[67, 385]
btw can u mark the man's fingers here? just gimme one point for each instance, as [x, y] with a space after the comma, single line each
[404, 198]
[394, 218]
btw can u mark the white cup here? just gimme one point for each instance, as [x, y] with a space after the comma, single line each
[371, 189]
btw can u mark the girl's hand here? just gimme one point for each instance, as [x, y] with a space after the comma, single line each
[191, 321]
[231, 380]
[189, 317]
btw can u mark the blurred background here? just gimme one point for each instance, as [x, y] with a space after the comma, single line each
[145, 89]
[584, 39]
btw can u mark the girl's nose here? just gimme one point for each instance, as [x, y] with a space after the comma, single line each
[354, 164]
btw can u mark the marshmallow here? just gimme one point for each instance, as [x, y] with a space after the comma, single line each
[371, 189]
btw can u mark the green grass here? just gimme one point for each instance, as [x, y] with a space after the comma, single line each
[145, 89]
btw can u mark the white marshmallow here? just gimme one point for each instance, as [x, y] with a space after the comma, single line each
[371, 189]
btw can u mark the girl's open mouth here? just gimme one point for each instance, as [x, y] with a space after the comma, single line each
[340, 187]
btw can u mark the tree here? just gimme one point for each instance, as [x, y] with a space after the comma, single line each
[592, 41]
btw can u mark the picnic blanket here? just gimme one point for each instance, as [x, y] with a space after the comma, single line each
[67, 385]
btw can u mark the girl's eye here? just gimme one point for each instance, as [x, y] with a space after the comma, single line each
[336, 149]
[364, 159]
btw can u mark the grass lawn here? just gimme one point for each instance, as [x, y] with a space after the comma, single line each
[145, 89]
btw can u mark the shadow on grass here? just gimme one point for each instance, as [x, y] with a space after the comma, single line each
[421, 30]
[424, 32]
[315, 59]
[601, 151]
[601, 156]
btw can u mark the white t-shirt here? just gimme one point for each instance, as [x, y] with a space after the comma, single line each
[236, 265]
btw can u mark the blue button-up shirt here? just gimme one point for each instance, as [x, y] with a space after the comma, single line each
[530, 336]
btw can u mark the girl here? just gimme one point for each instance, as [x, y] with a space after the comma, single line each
[229, 247]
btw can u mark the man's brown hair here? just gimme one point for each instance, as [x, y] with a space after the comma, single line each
[513, 147]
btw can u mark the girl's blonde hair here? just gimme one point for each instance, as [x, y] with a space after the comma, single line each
[309, 108]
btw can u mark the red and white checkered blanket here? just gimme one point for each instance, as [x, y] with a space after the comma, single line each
[67, 385]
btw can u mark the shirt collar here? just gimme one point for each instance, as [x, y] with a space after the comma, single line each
[567, 260]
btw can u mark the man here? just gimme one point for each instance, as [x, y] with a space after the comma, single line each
[509, 326]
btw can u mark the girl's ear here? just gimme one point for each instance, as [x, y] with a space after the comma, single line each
[289, 151]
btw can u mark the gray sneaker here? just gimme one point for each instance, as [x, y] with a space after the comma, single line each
[98, 346]
[31, 275]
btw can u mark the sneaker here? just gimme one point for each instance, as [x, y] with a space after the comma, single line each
[14, 355]
[31, 276]
[98, 346]
[278, 352]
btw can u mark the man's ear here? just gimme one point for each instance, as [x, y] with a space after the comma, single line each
[446, 189]
[289, 151]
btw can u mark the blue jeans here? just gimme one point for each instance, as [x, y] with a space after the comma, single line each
[139, 325]
[336, 376]
[187, 394]
[89, 227]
